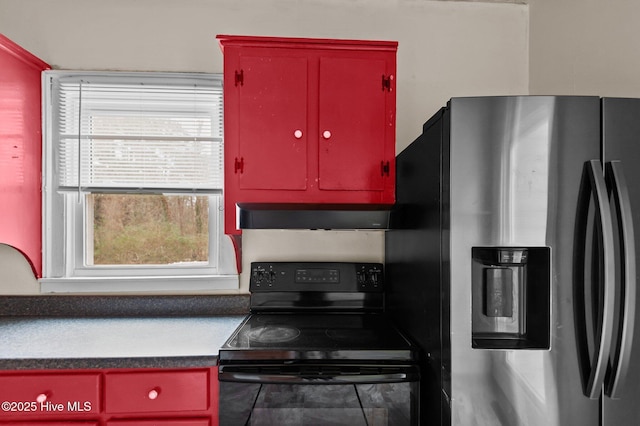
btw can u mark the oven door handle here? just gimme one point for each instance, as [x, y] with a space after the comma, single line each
[235, 376]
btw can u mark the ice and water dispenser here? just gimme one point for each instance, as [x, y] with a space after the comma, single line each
[511, 301]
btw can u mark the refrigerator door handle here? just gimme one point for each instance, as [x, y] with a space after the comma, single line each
[604, 328]
[621, 346]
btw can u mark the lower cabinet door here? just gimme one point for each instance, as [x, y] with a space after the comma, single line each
[163, 422]
[50, 423]
[49, 396]
[157, 392]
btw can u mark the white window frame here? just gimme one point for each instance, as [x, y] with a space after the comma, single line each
[65, 224]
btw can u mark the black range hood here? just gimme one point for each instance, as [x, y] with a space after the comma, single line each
[270, 218]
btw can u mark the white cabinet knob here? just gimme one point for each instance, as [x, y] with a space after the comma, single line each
[297, 134]
[326, 134]
[41, 398]
[153, 394]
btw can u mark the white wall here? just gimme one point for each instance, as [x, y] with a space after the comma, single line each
[446, 49]
[585, 47]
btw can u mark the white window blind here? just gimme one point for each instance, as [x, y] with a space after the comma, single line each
[114, 144]
[158, 135]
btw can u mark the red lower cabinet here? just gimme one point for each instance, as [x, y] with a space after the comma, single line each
[49, 396]
[157, 392]
[143, 397]
[191, 422]
[50, 423]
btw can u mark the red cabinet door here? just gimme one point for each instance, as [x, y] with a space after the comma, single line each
[352, 121]
[160, 422]
[52, 423]
[21, 151]
[157, 392]
[272, 121]
[50, 396]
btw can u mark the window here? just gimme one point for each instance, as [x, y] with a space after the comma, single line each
[133, 173]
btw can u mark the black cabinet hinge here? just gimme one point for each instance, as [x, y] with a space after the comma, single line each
[239, 165]
[386, 82]
[384, 168]
[239, 78]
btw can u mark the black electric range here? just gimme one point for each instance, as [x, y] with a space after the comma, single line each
[317, 337]
[311, 324]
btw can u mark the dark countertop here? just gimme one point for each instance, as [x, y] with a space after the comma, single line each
[69, 332]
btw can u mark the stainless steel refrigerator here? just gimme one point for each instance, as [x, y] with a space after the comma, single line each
[511, 260]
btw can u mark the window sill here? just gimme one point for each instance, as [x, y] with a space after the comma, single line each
[159, 284]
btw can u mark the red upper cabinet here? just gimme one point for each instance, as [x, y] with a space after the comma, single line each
[21, 151]
[308, 122]
[353, 117]
[272, 121]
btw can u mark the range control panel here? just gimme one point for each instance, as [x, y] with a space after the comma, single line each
[316, 276]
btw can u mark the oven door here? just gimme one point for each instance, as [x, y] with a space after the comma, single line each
[350, 395]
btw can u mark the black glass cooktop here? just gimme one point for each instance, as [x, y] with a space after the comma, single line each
[287, 336]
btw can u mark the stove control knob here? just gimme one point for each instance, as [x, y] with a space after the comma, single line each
[369, 278]
[260, 276]
[362, 278]
[374, 278]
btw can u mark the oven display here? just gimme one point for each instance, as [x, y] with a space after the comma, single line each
[317, 276]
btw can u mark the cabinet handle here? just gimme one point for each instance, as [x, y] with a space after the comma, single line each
[41, 398]
[153, 394]
[297, 134]
[326, 134]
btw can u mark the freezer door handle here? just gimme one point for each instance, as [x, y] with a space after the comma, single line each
[625, 310]
[600, 288]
